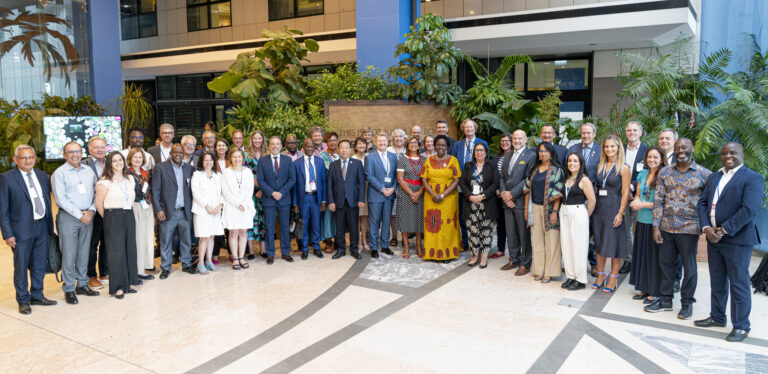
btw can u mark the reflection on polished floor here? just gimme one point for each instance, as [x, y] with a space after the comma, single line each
[387, 315]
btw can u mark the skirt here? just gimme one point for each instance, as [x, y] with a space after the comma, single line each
[645, 272]
[207, 225]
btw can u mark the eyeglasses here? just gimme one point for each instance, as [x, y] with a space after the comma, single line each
[137, 137]
[189, 144]
[543, 151]
[166, 133]
[209, 137]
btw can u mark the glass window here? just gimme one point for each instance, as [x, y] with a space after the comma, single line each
[208, 14]
[567, 74]
[138, 18]
[282, 9]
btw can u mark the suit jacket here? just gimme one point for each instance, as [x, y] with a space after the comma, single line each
[164, 188]
[376, 175]
[349, 190]
[459, 149]
[737, 206]
[16, 210]
[640, 159]
[490, 184]
[282, 182]
[90, 161]
[156, 152]
[562, 155]
[515, 181]
[321, 181]
[594, 159]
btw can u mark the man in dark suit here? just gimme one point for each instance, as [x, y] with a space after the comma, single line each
[548, 135]
[634, 156]
[727, 211]
[172, 197]
[514, 170]
[276, 177]
[97, 255]
[588, 149]
[441, 128]
[346, 186]
[26, 223]
[380, 169]
[309, 197]
[463, 150]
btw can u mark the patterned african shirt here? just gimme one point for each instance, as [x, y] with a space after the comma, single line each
[677, 193]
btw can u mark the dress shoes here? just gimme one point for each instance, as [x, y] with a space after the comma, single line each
[338, 255]
[626, 267]
[130, 290]
[138, 283]
[576, 285]
[737, 335]
[70, 297]
[708, 322]
[509, 265]
[522, 271]
[95, 284]
[119, 296]
[374, 253]
[164, 273]
[189, 270]
[263, 255]
[42, 301]
[304, 255]
[270, 260]
[317, 253]
[251, 256]
[288, 258]
[639, 296]
[146, 277]
[356, 255]
[567, 283]
[25, 308]
[387, 251]
[84, 290]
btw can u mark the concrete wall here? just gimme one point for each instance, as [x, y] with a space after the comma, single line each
[348, 118]
[249, 17]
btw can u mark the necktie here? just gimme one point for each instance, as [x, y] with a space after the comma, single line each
[586, 152]
[344, 170]
[385, 162]
[513, 161]
[39, 210]
[311, 171]
[468, 152]
[277, 166]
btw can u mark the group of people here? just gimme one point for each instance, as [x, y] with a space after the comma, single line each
[549, 207]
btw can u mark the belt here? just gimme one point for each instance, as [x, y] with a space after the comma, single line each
[414, 182]
[310, 193]
[179, 209]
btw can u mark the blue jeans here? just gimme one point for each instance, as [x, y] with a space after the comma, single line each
[379, 215]
[175, 222]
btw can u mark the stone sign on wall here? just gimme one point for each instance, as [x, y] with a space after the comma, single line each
[349, 118]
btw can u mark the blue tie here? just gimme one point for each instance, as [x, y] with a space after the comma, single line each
[311, 172]
[586, 152]
[468, 153]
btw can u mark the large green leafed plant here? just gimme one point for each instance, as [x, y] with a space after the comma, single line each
[137, 111]
[346, 83]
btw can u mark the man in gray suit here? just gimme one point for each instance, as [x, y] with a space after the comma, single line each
[514, 171]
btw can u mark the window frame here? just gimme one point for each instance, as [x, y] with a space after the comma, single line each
[207, 5]
[295, 10]
[137, 19]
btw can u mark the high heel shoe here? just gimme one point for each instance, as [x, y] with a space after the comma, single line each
[613, 288]
[597, 284]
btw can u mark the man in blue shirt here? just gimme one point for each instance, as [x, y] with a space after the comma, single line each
[73, 189]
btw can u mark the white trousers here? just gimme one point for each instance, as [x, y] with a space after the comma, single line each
[145, 236]
[574, 240]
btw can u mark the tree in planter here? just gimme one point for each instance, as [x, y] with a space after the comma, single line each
[272, 118]
[428, 62]
[346, 83]
[488, 93]
[274, 67]
[137, 111]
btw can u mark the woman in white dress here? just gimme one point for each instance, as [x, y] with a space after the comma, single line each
[237, 187]
[207, 204]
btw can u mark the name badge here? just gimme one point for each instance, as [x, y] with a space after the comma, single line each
[312, 186]
[144, 187]
[81, 189]
[144, 204]
[603, 192]
[387, 180]
[639, 166]
[476, 190]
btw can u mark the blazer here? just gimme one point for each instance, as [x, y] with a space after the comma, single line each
[16, 210]
[90, 161]
[349, 190]
[594, 159]
[375, 175]
[321, 180]
[205, 192]
[156, 151]
[737, 206]
[164, 188]
[640, 159]
[459, 149]
[515, 181]
[282, 182]
[490, 184]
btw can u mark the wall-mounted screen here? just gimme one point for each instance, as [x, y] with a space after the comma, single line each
[62, 130]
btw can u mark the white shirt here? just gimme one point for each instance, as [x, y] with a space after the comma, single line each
[273, 158]
[164, 153]
[727, 176]
[631, 155]
[36, 191]
[311, 164]
[670, 158]
[515, 156]
[385, 161]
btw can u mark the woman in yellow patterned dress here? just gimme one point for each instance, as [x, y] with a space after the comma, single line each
[441, 172]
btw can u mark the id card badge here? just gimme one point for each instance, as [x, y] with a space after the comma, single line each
[640, 166]
[144, 188]
[387, 180]
[81, 189]
[312, 186]
[603, 193]
[144, 204]
[476, 190]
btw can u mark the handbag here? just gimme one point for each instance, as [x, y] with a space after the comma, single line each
[53, 258]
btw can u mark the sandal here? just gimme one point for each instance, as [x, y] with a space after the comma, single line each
[393, 243]
[244, 263]
[202, 269]
[597, 283]
[210, 266]
[236, 265]
[406, 255]
[607, 289]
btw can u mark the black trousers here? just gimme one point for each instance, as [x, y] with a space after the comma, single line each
[501, 229]
[685, 246]
[347, 221]
[120, 242]
[97, 253]
[519, 237]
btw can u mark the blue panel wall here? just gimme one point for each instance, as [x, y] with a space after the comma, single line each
[381, 24]
[106, 73]
[724, 24]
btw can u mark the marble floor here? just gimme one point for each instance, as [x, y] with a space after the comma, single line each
[387, 315]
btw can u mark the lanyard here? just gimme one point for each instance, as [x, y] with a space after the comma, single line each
[476, 175]
[125, 192]
[605, 175]
[568, 187]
